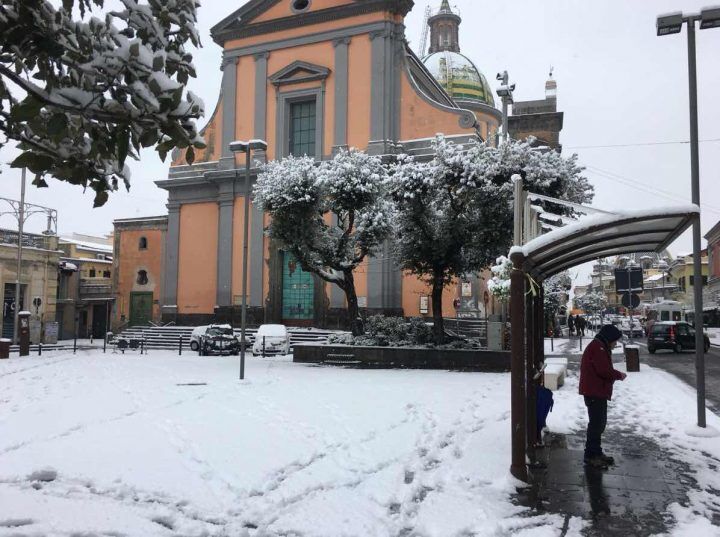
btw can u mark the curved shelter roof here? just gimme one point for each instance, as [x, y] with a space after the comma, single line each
[604, 235]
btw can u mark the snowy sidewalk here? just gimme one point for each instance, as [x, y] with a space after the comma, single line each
[664, 480]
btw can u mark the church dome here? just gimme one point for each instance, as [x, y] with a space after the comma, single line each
[458, 75]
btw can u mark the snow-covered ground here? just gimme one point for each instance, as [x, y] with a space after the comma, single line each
[163, 444]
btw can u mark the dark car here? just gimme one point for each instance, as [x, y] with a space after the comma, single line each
[218, 339]
[674, 335]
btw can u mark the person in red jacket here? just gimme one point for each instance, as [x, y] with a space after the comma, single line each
[597, 376]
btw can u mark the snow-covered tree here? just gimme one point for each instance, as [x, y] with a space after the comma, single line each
[455, 211]
[555, 294]
[79, 93]
[592, 302]
[499, 283]
[330, 217]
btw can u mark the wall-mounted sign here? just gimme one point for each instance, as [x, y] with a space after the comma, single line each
[424, 305]
[466, 289]
[362, 302]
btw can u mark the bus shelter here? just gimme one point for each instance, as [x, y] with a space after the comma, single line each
[590, 238]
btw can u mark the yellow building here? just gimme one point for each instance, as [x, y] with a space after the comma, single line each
[38, 280]
[84, 294]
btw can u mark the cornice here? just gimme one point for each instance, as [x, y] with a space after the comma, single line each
[401, 7]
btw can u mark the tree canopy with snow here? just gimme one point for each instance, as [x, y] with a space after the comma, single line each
[79, 93]
[329, 216]
[592, 302]
[555, 295]
[455, 212]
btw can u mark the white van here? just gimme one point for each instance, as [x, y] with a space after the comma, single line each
[275, 337]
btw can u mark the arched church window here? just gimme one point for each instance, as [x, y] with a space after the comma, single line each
[142, 243]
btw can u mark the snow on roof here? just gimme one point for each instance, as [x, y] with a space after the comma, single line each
[545, 248]
[655, 277]
[88, 245]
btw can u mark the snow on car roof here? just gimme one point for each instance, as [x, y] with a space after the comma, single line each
[272, 330]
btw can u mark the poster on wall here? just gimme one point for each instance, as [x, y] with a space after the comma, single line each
[362, 302]
[424, 305]
[466, 289]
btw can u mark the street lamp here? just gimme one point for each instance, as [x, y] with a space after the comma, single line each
[247, 148]
[666, 25]
[505, 94]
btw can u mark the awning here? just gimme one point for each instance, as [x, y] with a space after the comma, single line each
[605, 235]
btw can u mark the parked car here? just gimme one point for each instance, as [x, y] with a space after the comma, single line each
[635, 331]
[197, 333]
[219, 339]
[275, 337]
[673, 335]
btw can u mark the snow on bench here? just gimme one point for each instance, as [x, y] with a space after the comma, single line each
[557, 360]
[554, 376]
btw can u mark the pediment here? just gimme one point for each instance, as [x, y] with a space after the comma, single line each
[249, 20]
[299, 71]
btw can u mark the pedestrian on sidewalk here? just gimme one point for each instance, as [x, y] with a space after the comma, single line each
[571, 325]
[597, 376]
[580, 322]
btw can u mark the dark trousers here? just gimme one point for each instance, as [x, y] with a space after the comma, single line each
[597, 415]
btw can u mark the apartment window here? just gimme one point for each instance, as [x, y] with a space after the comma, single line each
[106, 274]
[302, 128]
[91, 273]
[142, 243]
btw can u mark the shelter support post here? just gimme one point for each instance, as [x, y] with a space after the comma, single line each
[540, 334]
[518, 466]
[531, 329]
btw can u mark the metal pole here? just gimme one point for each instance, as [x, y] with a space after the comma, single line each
[697, 261]
[21, 223]
[243, 318]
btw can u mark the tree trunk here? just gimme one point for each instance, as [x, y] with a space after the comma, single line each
[438, 325]
[353, 312]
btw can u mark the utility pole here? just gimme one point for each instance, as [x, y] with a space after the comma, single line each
[21, 222]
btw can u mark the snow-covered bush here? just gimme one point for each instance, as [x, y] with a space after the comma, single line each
[329, 216]
[79, 95]
[593, 302]
[342, 338]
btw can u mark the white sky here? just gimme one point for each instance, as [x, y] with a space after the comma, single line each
[618, 84]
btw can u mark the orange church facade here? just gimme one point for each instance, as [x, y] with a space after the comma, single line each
[307, 76]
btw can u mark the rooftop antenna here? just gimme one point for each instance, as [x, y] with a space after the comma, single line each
[426, 28]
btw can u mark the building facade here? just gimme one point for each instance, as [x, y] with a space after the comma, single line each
[38, 282]
[310, 78]
[84, 290]
[713, 249]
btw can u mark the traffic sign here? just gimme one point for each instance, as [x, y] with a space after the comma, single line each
[630, 300]
[629, 279]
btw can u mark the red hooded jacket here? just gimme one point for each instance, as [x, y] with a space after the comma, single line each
[597, 373]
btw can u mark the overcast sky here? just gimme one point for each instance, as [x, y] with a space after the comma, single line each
[618, 84]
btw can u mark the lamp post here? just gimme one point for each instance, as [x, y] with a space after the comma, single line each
[666, 25]
[505, 94]
[247, 148]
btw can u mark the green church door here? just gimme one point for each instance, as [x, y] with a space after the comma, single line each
[140, 308]
[298, 291]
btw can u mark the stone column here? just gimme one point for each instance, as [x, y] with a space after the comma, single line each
[229, 116]
[226, 204]
[172, 258]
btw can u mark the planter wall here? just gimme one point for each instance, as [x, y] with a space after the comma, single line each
[403, 357]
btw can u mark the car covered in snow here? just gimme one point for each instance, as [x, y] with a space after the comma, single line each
[197, 333]
[218, 339]
[271, 339]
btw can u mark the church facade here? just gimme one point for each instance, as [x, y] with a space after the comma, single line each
[309, 77]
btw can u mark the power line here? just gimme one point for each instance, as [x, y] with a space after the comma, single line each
[639, 144]
[646, 188]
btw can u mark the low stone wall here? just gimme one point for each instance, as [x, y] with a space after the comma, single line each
[403, 357]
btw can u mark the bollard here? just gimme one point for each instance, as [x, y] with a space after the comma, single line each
[39, 349]
[75, 344]
[580, 342]
[263, 353]
[180, 346]
[552, 344]
[105, 344]
[142, 346]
